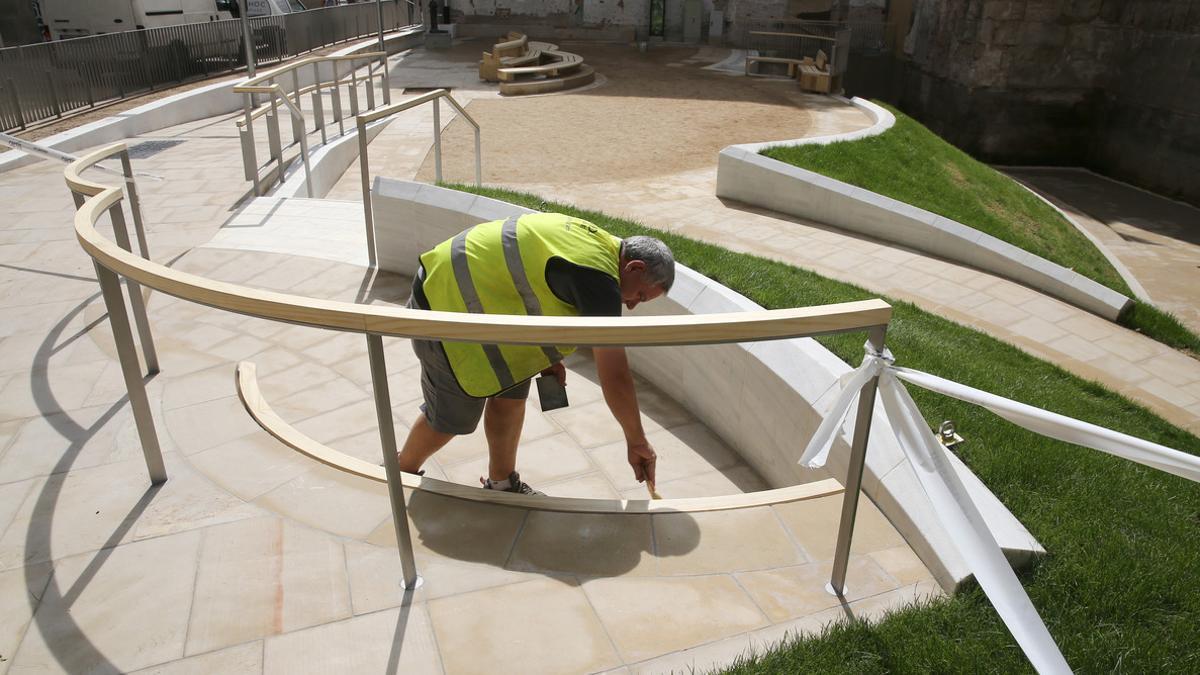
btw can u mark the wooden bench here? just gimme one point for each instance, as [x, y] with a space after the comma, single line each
[792, 64]
[815, 75]
[494, 60]
[554, 63]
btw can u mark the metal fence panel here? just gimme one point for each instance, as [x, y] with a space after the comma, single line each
[864, 35]
[43, 81]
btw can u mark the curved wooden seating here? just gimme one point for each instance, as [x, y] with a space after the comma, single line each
[556, 71]
[272, 423]
[516, 50]
[582, 76]
[557, 63]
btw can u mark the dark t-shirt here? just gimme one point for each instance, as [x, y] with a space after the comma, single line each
[592, 292]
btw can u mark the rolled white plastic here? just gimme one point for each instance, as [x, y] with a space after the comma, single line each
[1062, 427]
[961, 518]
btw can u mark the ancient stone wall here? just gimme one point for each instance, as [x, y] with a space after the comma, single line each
[1109, 84]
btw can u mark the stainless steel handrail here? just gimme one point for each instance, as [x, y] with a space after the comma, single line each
[268, 83]
[364, 163]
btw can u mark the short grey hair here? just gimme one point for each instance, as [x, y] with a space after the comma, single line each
[660, 262]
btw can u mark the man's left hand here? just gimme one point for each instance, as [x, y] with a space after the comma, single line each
[559, 372]
[642, 458]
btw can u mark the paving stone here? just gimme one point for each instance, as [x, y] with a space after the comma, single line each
[722, 541]
[83, 622]
[814, 522]
[476, 632]
[398, 640]
[791, 592]
[263, 577]
[245, 658]
[646, 617]
[607, 545]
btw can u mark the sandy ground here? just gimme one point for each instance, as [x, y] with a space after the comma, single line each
[653, 115]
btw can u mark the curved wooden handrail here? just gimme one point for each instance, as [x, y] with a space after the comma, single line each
[345, 81]
[435, 325]
[252, 85]
[272, 423]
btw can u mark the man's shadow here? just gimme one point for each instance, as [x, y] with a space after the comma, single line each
[555, 543]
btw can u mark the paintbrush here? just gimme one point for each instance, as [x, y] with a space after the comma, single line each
[650, 488]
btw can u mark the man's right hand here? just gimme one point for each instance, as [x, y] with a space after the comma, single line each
[642, 458]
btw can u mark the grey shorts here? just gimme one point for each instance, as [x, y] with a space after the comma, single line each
[447, 408]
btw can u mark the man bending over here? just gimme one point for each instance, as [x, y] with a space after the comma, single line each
[538, 264]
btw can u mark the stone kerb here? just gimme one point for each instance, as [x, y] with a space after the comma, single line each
[197, 104]
[765, 398]
[746, 176]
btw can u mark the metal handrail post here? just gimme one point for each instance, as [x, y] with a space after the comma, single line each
[297, 115]
[249, 152]
[273, 136]
[337, 100]
[118, 320]
[854, 471]
[318, 103]
[137, 301]
[353, 89]
[391, 463]
[370, 85]
[386, 86]
[364, 170]
[437, 140]
[478, 152]
[247, 43]
[478, 161]
[298, 130]
[135, 205]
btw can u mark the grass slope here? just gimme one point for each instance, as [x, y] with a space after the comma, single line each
[913, 165]
[1118, 589]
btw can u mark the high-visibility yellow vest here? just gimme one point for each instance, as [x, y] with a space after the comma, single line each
[500, 268]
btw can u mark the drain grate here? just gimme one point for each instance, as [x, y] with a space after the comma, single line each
[150, 148]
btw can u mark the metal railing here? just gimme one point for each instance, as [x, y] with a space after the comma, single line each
[43, 81]
[326, 75]
[364, 163]
[374, 322]
[863, 36]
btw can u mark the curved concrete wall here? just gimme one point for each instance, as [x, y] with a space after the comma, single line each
[765, 399]
[749, 177]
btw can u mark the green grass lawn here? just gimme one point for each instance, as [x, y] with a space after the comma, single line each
[911, 164]
[1118, 589]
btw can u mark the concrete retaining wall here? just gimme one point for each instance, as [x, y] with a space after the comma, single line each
[746, 176]
[765, 398]
[197, 104]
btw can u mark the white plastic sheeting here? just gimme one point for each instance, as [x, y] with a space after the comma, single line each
[949, 497]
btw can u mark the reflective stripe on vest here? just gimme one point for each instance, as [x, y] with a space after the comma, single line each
[500, 268]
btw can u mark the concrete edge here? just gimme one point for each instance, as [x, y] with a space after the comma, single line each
[200, 103]
[747, 176]
[793, 376]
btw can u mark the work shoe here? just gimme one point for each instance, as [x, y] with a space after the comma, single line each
[515, 484]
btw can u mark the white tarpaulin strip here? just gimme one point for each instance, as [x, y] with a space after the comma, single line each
[1062, 427]
[817, 451]
[46, 152]
[969, 532]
